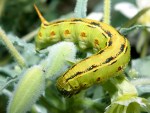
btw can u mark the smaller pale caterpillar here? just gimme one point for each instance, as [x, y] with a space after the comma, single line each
[113, 51]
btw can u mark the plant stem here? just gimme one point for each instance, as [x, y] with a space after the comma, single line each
[30, 35]
[107, 9]
[8, 83]
[12, 49]
[80, 8]
[2, 5]
[119, 86]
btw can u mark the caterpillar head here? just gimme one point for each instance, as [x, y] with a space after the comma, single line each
[65, 88]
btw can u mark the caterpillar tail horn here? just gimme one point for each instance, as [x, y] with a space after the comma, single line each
[40, 15]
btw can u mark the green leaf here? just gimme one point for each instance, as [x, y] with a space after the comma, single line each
[142, 66]
[27, 50]
[135, 18]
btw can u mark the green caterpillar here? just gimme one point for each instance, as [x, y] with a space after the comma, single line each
[112, 51]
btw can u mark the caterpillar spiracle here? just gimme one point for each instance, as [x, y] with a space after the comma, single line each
[112, 51]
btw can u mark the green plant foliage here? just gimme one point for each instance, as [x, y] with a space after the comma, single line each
[142, 66]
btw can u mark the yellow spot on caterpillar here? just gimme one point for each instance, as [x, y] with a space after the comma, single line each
[83, 34]
[40, 35]
[67, 32]
[96, 42]
[52, 34]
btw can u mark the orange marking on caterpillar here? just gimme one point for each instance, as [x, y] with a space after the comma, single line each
[40, 34]
[83, 34]
[67, 32]
[52, 34]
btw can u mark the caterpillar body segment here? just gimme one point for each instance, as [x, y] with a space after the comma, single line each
[83, 33]
[106, 63]
[112, 51]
